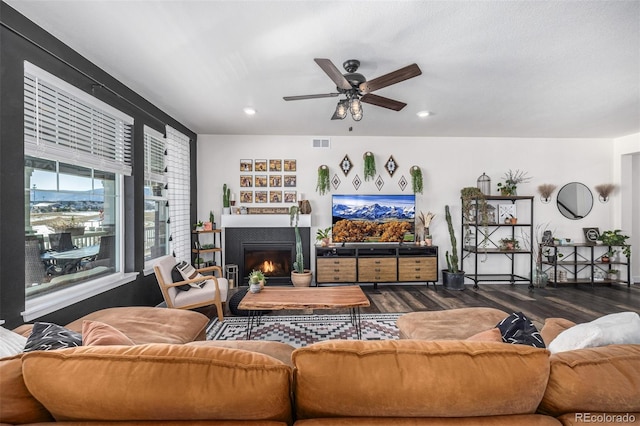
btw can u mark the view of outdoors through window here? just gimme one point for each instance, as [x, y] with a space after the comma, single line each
[70, 224]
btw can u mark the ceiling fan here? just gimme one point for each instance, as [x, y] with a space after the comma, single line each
[357, 89]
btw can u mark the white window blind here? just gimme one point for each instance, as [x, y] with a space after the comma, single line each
[179, 188]
[64, 123]
[154, 157]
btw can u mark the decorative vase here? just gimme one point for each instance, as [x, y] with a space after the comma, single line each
[453, 281]
[255, 288]
[540, 278]
[226, 210]
[304, 206]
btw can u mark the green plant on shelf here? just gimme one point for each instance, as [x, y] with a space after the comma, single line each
[615, 238]
[509, 244]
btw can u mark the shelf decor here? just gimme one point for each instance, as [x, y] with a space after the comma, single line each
[323, 185]
[511, 181]
[416, 179]
[369, 165]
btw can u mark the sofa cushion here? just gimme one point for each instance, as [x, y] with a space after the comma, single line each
[554, 326]
[144, 324]
[278, 350]
[11, 343]
[450, 324]
[518, 329]
[46, 336]
[491, 335]
[604, 379]
[96, 333]
[159, 382]
[412, 378]
[17, 405]
[619, 328]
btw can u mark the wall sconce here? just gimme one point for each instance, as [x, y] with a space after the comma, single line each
[545, 190]
[604, 191]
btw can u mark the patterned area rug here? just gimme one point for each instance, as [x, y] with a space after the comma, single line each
[302, 330]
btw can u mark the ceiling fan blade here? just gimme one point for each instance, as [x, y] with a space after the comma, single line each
[394, 77]
[297, 98]
[333, 73]
[381, 101]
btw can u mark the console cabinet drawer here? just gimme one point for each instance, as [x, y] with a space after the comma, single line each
[377, 269]
[417, 269]
[336, 270]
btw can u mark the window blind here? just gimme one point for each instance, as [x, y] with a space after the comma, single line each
[154, 157]
[178, 192]
[63, 123]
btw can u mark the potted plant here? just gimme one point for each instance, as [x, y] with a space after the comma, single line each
[615, 238]
[256, 281]
[68, 225]
[511, 181]
[199, 262]
[369, 166]
[226, 202]
[198, 226]
[612, 274]
[507, 244]
[452, 277]
[209, 226]
[300, 277]
[417, 184]
[323, 236]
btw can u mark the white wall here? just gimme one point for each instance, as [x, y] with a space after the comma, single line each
[448, 164]
[626, 167]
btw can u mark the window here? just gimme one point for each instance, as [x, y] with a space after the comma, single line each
[156, 233]
[77, 150]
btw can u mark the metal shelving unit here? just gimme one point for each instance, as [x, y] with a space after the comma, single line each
[485, 242]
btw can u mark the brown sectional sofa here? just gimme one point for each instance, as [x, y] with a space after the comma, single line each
[338, 382]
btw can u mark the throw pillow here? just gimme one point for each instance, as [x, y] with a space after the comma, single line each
[492, 335]
[176, 276]
[10, 343]
[518, 329]
[613, 329]
[95, 333]
[188, 272]
[46, 336]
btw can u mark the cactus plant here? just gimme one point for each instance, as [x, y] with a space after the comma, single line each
[452, 259]
[226, 195]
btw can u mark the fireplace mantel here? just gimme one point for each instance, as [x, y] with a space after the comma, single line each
[262, 221]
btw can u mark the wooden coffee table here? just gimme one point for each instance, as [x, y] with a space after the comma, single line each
[277, 298]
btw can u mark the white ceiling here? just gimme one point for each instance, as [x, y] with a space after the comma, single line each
[489, 68]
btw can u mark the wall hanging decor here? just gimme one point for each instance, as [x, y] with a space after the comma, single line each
[379, 182]
[545, 190]
[604, 191]
[323, 185]
[391, 166]
[346, 165]
[369, 165]
[356, 182]
[402, 183]
[416, 179]
[335, 181]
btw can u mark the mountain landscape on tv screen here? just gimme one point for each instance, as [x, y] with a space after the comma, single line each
[375, 212]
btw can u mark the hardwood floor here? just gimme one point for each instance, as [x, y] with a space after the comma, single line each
[579, 303]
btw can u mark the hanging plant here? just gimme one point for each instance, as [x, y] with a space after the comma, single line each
[323, 186]
[416, 179]
[369, 166]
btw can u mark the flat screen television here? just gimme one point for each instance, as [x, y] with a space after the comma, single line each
[373, 218]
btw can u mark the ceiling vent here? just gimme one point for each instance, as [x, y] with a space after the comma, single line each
[321, 143]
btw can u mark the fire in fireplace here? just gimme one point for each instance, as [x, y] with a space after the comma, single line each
[274, 262]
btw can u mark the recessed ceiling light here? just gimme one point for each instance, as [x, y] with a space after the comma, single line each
[249, 111]
[423, 114]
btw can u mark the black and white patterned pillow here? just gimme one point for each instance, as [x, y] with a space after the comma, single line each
[190, 273]
[518, 329]
[46, 336]
[176, 276]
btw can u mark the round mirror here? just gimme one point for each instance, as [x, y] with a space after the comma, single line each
[575, 200]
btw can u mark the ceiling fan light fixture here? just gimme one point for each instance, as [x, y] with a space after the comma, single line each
[355, 106]
[357, 117]
[341, 109]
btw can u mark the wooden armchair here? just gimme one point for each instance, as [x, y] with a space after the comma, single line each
[213, 292]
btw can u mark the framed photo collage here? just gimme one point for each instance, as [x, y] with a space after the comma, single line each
[268, 181]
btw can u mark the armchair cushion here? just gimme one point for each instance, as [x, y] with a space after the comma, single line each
[176, 276]
[188, 272]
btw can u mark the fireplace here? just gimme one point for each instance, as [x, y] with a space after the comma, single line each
[271, 250]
